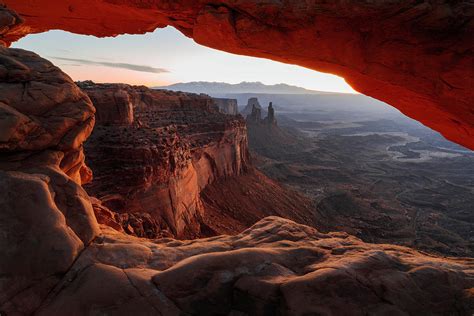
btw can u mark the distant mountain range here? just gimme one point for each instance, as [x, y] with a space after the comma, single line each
[221, 88]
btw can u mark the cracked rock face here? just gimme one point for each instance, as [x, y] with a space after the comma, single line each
[415, 55]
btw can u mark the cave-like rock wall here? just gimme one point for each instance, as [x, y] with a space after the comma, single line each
[415, 55]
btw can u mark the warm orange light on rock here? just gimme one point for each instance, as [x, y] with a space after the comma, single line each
[418, 58]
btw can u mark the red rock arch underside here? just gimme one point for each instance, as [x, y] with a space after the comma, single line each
[55, 257]
[415, 55]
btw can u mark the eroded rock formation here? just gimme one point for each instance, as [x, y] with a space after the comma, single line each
[251, 104]
[254, 119]
[415, 55]
[46, 217]
[227, 106]
[154, 151]
[154, 172]
[271, 119]
[61, 119]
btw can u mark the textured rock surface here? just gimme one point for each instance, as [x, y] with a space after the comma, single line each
[183, 167]
[136, 224]
[178, 143]
[415, 55]
[276, 267]
[37, 243]
[227, 106]
[255, 117]
[53, 261]
[10, 24]
[116, 105]
[41, 108]
[235, 203]
[46, 217]
[251, 104]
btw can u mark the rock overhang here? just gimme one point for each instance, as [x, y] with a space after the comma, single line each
[416, 56]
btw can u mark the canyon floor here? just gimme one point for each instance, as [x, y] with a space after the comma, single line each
[372, 173]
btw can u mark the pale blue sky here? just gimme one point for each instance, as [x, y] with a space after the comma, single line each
[165, 57]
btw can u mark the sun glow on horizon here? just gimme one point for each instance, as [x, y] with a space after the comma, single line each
[166, 57]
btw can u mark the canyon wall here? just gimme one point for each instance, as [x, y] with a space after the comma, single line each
[415, 55]
[154, 151]
[227, 106]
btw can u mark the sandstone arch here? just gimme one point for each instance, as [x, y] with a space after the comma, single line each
[57, 258]
[415, 55]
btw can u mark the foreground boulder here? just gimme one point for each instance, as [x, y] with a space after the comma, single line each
[276, 267]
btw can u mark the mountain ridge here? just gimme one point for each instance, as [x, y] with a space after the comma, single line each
[219, 88]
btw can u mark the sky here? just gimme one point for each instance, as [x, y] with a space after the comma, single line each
[165, 57]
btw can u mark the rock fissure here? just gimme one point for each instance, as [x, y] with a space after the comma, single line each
[140, 292]
[61, 284]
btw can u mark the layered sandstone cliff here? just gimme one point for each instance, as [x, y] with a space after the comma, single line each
[172, 164]
[154, 151]
[227, 106]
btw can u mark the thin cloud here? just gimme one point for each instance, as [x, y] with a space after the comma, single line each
[134, 67]
[63, 50]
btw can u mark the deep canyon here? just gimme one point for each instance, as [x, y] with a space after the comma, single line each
[173, 152]
[104, 186]
[369, 170]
